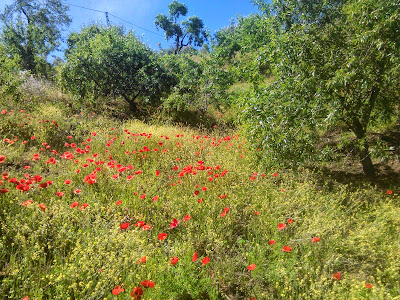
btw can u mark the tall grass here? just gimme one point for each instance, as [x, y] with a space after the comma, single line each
[72, 246]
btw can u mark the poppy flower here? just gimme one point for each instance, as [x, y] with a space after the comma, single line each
[162, 236]
[286, 249]
[142, 260]
[174, 260]
[117, 290]
[187, 217]
[251, 267]
[83, 206]
[336, 276]
[290, 221]
[315, 239]
[78, 191]
[157, 173]
[256, 213]
[155, 198]
[67, 181]
[3, 191]
[389, 192]
[136, 293]
[271, 242]
[124, 226]
[146, 227]
[275, 174]
[28, 202]
[281, 226]
[118, 202]
[368, 285]
[194, 258]
[205, 260]
[59, 194]
[139, 224]
[147, 283]
[42, 206]
[75, 204]
[174, 223]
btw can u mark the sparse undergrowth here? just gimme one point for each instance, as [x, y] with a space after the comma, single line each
[90, 204]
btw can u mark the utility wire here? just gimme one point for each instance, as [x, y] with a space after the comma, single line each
[105, 12]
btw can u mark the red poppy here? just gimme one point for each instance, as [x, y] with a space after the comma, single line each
[157, 173]
[67, 181]
[83, 206]
[75, 204]
[59, 194]
[136, 293]
[336, 276]
[251, 267]
[281, 226]
[187, 217]
[389, 192]
[147, 284]
[315, 239]
[368, 285]
[162, 236]
[290, 221]
[124, 226]
[142, 196]
[146, 227]
[194, 258]
[271, 242]
[142, 260]
[286, 249]
[174, 260]
[174, 223]
[3, 191]
[26, 203]
[256, 213]
[205, 260]
[139, 224]
[78, 191]
[155, 198]
[42, 206]
[118, 202]
[117, 290]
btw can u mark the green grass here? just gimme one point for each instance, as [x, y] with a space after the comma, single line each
[71, 253]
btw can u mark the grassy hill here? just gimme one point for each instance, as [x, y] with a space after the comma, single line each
[92, 207]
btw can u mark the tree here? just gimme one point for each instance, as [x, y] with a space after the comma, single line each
[345, 71]
[32, 29]
[187, 32]
[105, 61]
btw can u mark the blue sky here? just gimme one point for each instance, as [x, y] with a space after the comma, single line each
[215, 14]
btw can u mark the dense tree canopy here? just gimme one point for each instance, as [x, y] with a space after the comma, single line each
[189, 32]
[106, 61]
[342, 71]
[32, 29]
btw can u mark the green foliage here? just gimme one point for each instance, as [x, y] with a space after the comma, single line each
[9, 78]
[32, 29]
[201, 82]
[343, 71]
[241, 46]
[105, 61]
[189, 32]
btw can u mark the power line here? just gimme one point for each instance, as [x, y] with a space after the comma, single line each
[136, 25]
[107, 14]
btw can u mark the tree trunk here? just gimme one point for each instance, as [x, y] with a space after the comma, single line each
[365, 156]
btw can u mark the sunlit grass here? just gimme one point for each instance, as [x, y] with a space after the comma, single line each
[225, 207]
